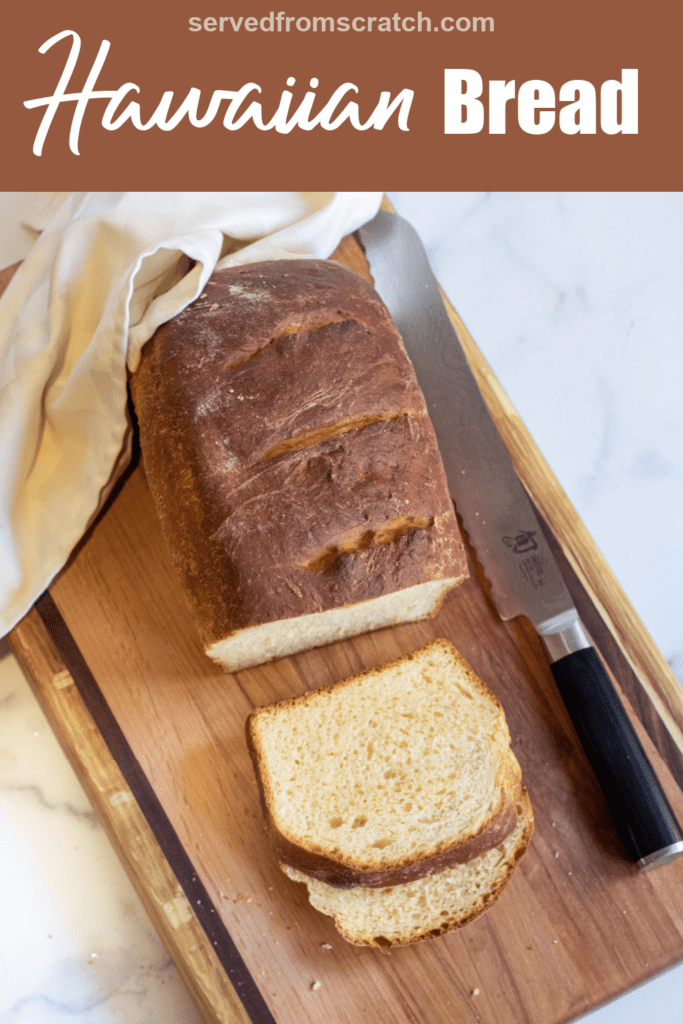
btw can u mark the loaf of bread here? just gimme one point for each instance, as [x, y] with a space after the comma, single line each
[295, 471]
[394, 796]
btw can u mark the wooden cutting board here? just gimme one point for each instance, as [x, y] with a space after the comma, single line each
[155, 732]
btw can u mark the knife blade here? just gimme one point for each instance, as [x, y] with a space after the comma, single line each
[506, 534]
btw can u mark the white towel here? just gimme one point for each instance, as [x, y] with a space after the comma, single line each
[105, 271]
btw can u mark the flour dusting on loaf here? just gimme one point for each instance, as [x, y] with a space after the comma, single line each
[288, 450]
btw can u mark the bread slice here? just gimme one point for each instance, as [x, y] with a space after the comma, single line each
[429, 906]
[388, 775]
[295, 471]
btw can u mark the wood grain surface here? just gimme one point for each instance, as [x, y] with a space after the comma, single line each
[156, 734]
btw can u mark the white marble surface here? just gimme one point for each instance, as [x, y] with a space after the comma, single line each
[576, 301]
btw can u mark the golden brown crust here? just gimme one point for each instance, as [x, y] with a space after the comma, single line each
[285, 390]
[479, 906]
[341, 877]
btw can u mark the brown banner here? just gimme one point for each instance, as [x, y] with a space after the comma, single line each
[425, 95]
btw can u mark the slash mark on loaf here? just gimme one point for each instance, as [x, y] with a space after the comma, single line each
[360, 541]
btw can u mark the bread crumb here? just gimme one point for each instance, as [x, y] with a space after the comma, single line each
[215, 306]
[325, 945]
[475, 991]
[315, 986]
[556, 855]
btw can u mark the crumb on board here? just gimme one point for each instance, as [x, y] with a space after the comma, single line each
[315, 985]
[475, 991]
[325, 945]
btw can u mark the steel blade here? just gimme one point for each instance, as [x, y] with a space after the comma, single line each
[488, 494]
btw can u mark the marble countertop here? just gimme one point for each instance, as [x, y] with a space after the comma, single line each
[575, 299]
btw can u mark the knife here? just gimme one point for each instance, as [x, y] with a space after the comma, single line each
[509, 542]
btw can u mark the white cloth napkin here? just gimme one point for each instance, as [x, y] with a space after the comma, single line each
[105, 271]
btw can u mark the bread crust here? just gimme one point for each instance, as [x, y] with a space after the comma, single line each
[282, 431]
[479, 904]
[345, 874]
[342, 877]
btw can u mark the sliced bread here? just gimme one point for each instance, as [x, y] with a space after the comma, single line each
[389, 775]
[426, 907]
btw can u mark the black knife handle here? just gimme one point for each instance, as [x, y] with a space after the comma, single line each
[641, 812]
